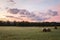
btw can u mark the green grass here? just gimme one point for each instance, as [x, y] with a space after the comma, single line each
[28, 33]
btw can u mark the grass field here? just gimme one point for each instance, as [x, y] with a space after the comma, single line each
[28, 33]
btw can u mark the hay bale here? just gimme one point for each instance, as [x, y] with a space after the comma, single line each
[55, 27]
[46, 30]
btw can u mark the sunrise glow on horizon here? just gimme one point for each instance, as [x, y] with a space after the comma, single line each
[30, 10]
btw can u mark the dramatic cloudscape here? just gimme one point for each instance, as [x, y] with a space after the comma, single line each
[30, 10]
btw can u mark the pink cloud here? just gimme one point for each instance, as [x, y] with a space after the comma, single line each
[55, 18]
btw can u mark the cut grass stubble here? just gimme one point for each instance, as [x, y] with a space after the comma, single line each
[28, 33]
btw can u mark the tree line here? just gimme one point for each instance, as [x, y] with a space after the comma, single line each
[27, 24]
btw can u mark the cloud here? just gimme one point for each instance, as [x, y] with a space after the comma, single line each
[24, 12]
[14, 17]
[40, 16]
[52, 13]
[33, 16]
[11, 1]
[13, 11]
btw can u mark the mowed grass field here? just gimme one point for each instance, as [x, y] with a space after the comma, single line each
[28, 33]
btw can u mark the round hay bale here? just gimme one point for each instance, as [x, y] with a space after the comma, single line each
[55, 27]
[44, 30]
[48, 30]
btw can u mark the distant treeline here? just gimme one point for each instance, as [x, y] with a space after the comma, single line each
[8, 23]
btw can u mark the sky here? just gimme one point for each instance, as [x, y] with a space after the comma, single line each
[30, 10]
